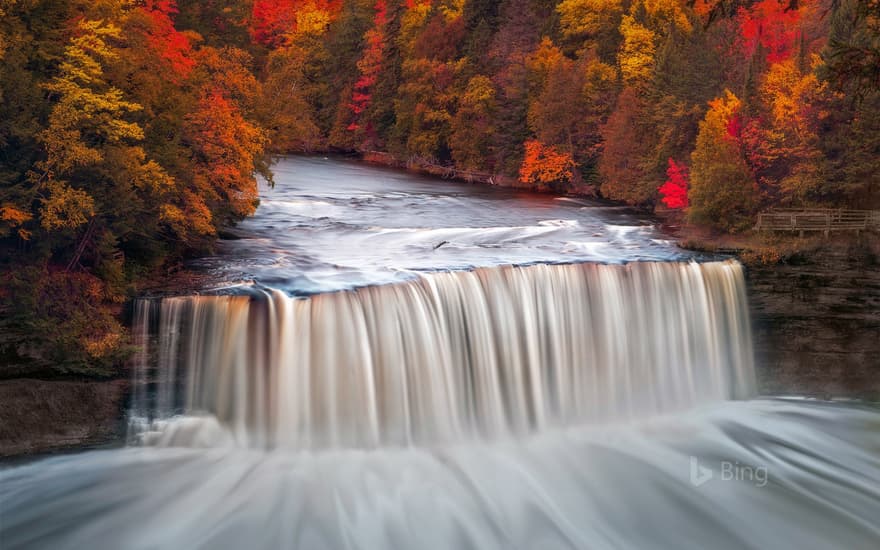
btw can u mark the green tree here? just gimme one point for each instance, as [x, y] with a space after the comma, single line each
[625, 173]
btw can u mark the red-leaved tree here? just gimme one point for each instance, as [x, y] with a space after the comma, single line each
[674, 192]
[169, 44]
[369, 66]
[273, 21]
[773, 25]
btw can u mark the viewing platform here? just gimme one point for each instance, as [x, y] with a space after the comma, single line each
[825, 220]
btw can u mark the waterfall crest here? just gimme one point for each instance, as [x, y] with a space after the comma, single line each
[448, 356]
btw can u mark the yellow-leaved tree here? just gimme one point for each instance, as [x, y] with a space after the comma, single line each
[637, 52]
[88, 115]
[587, 18]
[472, 126]
[790, 142]
[723, 193]
[642, 29]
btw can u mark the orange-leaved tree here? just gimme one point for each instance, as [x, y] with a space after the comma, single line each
[545, 166]
[226, 147]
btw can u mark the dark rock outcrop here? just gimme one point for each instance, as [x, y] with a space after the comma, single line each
[816, 321]
[44, 416]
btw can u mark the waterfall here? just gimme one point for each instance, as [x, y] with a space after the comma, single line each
[445, 357]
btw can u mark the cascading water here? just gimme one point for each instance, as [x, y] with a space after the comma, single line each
[447, 357]
[571, 405]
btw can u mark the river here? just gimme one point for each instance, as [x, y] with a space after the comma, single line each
[393, 361]
[331, 224]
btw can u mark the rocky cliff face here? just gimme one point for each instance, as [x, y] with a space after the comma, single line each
[816, 321]
[46, 416]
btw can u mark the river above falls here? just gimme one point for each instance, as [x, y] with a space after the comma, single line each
[333, 223]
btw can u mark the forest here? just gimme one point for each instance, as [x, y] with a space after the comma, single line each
[132, 132]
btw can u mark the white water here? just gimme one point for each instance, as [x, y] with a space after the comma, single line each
[333, 224]
[544, 407]
[578, 406]
[449, 357]
[614, 487]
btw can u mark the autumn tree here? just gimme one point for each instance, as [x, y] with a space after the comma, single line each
[423, 110]
[591, 24]
[472, 127]
[295, 87]
[788, 148]
[512, 45]
[769, 27]
[88, 112]
[674, 192]
[722, 189]
[642, 31]
[288, 103]
[132, 143]
[274, 21]
[369, 68]
[545, 167]
[226, 142]
[343, 43]
[569, 102]
[625, 174]
[78, 202]
[427, 97]
[22, 107]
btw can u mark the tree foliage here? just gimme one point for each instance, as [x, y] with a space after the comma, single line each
[545, 166]
[132, 143]
[675, 190]
[723, 192]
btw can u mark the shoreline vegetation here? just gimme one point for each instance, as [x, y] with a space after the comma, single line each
[131, 134]
[752, 248]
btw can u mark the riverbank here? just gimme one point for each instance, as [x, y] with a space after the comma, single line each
[451, 172]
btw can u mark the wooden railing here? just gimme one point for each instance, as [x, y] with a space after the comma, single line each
[818, 219]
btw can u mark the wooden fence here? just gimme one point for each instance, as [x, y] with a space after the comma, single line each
[818, 219]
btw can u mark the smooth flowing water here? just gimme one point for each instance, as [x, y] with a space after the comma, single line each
[394, 362]
[448, 357]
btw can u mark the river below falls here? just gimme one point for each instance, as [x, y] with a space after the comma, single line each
[397, 362]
